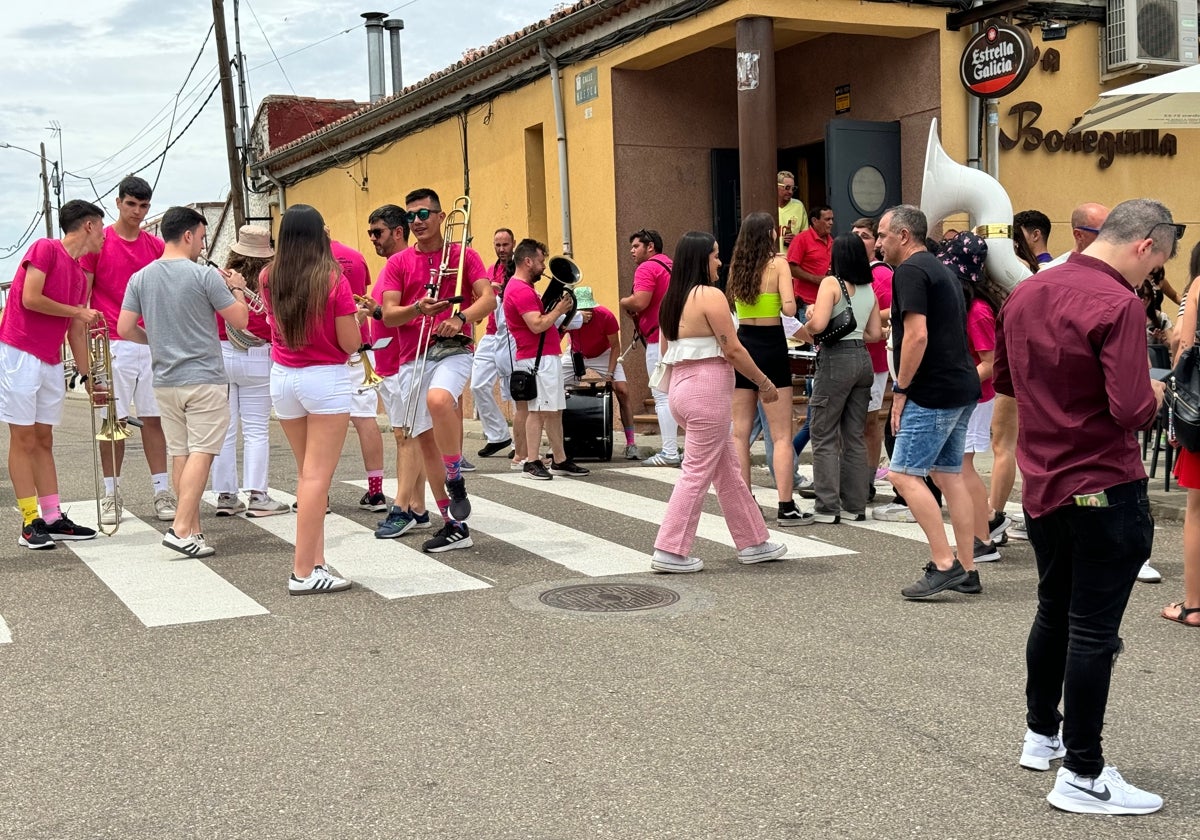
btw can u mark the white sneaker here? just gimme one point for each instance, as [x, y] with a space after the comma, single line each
[110, 510]
[228, 504]
[165, 504]
[261, 504]
[658, 459]
[320, 582]
[516, 466]
[892, 512]
[1149, 574]
[761, 553]
[665, 561]
[804, 486]
[1039, 750]
[193, 546]
[1017, 530]
[1107, 793]
[632, 452]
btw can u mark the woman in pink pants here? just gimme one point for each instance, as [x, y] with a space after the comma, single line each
[700, 344]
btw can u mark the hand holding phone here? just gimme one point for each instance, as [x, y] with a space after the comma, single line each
[455, 299]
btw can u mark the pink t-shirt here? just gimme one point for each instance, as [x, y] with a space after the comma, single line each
[408, 273]
[653, 276]
[36, 333]
[322, 347]
[497, 283]
[592, 338]
[520, 297]
[111, 269]
[881, 282]
[258, 326]
[354, 268]
[981, 337]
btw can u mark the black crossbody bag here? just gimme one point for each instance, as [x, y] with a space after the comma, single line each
[522, 384]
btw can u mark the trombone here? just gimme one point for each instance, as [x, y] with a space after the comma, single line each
[111, 429]
[371, 379]
[455, 230]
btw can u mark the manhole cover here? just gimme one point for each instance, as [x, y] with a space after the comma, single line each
[608, 597]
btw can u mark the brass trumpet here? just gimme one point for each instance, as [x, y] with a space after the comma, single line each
[371, 379]
[254, 301]
[111, 429]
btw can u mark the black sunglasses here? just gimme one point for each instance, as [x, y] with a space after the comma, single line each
[423, 214]
[375, 233]
[1179, 229]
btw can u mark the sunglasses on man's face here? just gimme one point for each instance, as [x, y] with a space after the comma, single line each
[375, 233]
[423, 214]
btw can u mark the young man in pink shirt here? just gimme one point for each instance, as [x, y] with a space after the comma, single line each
[127, 249]
[47, 301]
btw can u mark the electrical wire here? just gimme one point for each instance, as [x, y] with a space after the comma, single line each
[179, 93]
[318, 43]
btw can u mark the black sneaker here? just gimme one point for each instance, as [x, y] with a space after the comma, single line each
[935, 581]
[376, 503]
[460, 505]
[492, 448]
[568, 467]
[789, 516]
[998, 525]
[65, 529]
[985, 552]
[453, 535]
[537, 470]
[35, 536]
[972, 586]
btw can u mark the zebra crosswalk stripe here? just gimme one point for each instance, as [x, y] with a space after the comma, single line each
[389, 568]
[5, 633]
[711, 527]
[569, 547]
[158, 585]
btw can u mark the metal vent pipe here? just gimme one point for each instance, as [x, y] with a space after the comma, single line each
[393, 26]
[375, 72]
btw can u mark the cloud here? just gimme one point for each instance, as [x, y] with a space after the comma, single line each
[52, 33]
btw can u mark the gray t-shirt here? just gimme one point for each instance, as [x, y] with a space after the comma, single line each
[178, 300]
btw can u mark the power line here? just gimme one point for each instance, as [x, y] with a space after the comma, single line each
[178, 93]
[337, 34]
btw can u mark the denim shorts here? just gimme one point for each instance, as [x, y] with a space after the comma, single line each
[931, 439]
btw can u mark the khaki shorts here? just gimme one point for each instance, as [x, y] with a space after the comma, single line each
[194, 418]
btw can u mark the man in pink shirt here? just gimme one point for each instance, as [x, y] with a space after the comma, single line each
[810, 253]
[650, 282]
[537, 351]
[364, 403]
[46, 302]
[415, 286]
[128, 249]
[598, 340]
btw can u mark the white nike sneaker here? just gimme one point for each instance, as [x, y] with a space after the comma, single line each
[1107, 793]
[1039, 750]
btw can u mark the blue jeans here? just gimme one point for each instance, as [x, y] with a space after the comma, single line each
[1088, 559]
[760, 427]
[931, 439]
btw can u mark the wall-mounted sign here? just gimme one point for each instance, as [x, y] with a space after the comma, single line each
[747, 70]
[587, 86]
[841, 99]
[1105, 144]
[996, 61]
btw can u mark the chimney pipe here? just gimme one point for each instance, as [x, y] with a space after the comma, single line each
[393, 26]
[375, 74]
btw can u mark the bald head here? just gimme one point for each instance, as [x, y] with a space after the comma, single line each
[1086, 221]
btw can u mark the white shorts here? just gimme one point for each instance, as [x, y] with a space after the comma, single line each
[31, 391]
[134, 379]
[877, 388]
[551, 391]
[599, 364]
[366, 402]
[320, 389]
[979, 430]
[390, 391]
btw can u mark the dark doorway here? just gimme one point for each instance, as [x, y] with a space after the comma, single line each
[862, 161]
[807, 163]
[727, 204]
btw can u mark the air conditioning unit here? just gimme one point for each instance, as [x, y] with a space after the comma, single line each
[1160, 34]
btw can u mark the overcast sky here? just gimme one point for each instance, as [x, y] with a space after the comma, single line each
[108, 74]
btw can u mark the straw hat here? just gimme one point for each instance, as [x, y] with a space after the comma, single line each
[583, 296]
[253, 241]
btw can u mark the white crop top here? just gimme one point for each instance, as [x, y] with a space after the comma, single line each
[692, 349]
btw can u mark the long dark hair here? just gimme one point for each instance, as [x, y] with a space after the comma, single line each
[850, 259]
[249, 267]
[752, 253]
[985, 290]
[300, 277]
[689, 270]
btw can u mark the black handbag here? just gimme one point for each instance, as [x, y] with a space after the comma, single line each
[1182, 400]
[839, 325]
[522, 384]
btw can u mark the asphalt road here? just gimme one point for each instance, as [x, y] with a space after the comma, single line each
[802, 698]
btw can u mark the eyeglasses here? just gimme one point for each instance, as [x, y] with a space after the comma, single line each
[1179, 229]
[787, 187]
[375, 233]
[1087, 229]
[423, 214]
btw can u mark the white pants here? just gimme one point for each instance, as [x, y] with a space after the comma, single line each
[250, 403]
[484, 373]
[667, 427]
[133, 377]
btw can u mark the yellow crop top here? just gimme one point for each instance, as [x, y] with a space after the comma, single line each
[767, 306]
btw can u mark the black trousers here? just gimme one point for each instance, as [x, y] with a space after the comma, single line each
[1088, 559]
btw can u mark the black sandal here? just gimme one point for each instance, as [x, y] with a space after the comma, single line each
[1182, 616]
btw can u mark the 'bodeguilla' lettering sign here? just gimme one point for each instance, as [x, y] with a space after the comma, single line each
[996, 61]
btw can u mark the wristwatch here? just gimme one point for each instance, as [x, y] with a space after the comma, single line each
[377, 313]
[460, 316]
[896, 389]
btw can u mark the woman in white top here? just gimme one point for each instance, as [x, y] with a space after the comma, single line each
[842, 384]
[699, 343]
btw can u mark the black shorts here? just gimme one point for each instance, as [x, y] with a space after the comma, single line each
[768, 347]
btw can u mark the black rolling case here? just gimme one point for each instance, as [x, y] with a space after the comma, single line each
[588, 422]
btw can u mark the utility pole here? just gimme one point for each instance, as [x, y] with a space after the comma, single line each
[243, 100]
[46, 196]
[236, 197]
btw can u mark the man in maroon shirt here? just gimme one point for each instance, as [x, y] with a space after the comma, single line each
[1071, 347]
[809, 254]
